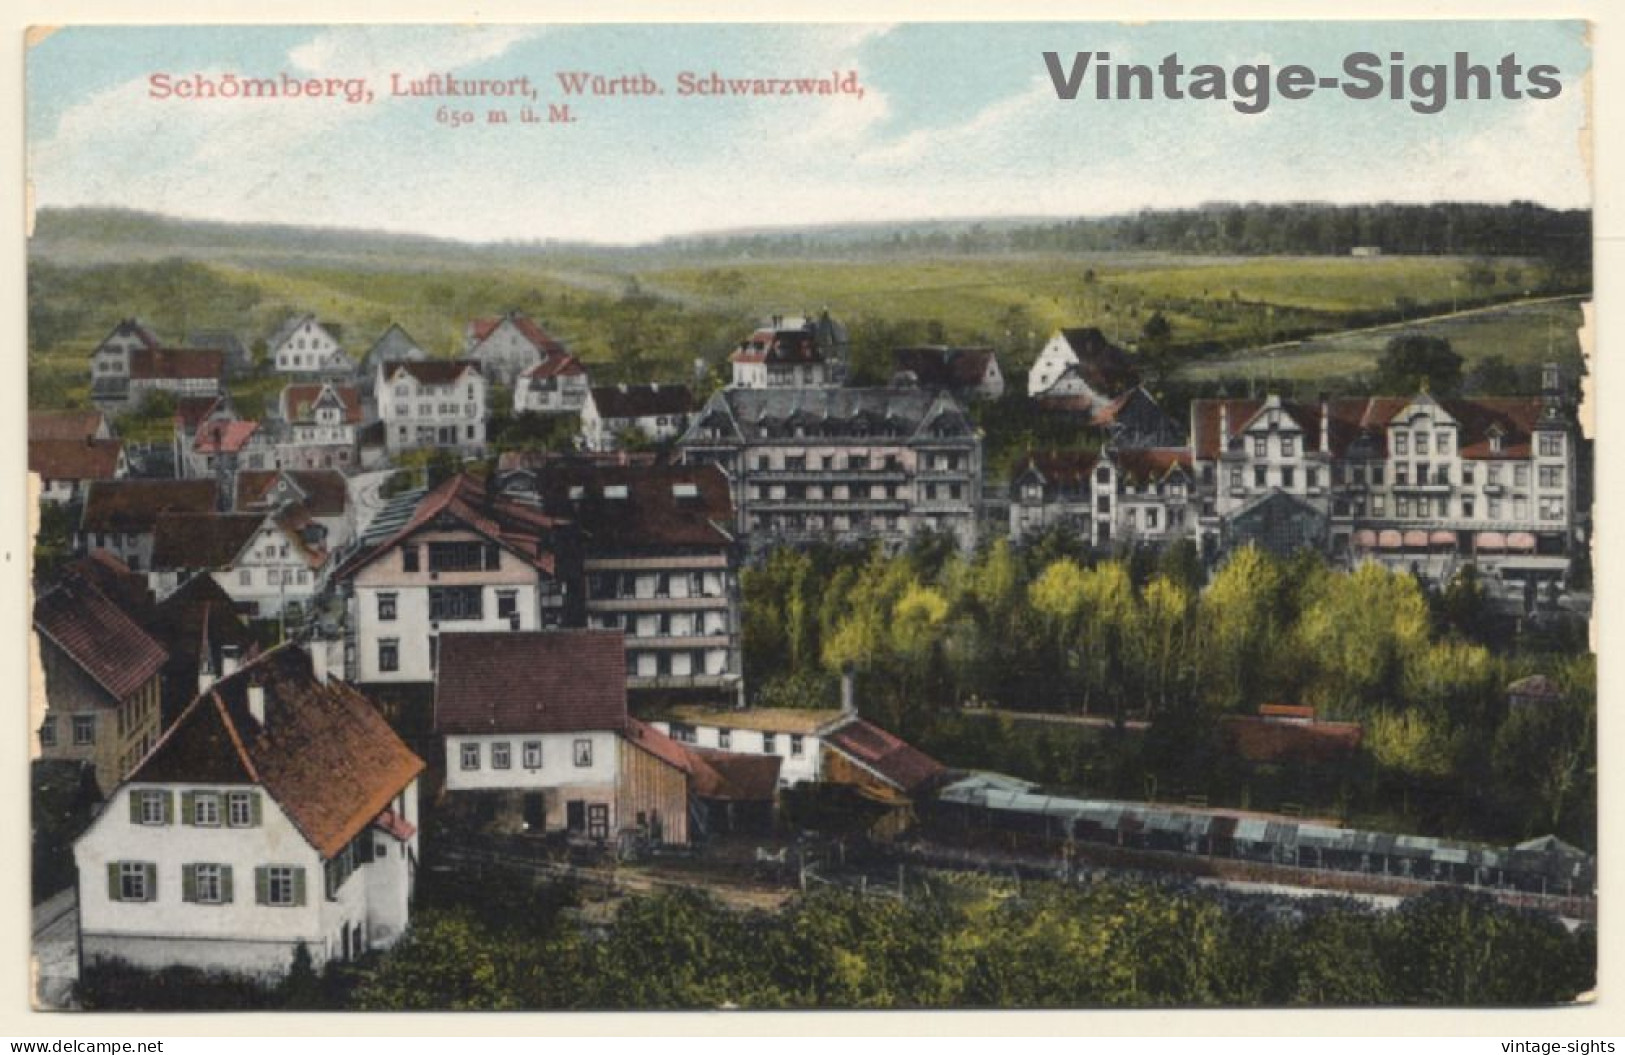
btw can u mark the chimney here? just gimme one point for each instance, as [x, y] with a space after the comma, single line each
[1325, 424]
[1224, 425]
[849, 700]
[230, 660]
[256, 702]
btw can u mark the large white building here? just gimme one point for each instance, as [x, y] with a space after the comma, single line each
[305, 345]
[280, 809]
[432, 403]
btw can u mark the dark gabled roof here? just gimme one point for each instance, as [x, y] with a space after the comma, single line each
[176, 364]
[97, 635]
[299, 402]
[225, 340]
[523, 530]
[394, 345]
[552, 681]
[324, 754]
[869, 414]
[324, 492]
[1104, 367]
[64, 424]
[75, 459]
[134, 505]
[554, 364]
[642, 401]
[1354, 418]
[179, 621]
[663, 505]
[285, 331]
[106, 573]
[1059, 468]
[779, 345]
[432, 371]
[1151, 464]
[893, 760]
[127, 327]
[192, 411]
[938, 366]
[202, 540]
[729, 777]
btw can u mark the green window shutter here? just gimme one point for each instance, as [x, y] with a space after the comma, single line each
[112, 882]
[225, 884]
[298, 886]
[255, 811]
[169, 807]
[262, 886]
[152, 881]
[188, 806]
[135, 806]
[188, 882]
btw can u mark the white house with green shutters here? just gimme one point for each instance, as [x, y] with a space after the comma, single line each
[279, 810]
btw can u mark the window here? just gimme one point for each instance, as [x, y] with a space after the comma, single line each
[1288, 477]
[1467, 473]
[453, 603]
[458, 556]
[1376, 474]
[1289, 447]
[1421, 443]
[507, 603]
[149, 807]
[1402, 474]
[409, 558]
[282, 886]
[502, 756]
[1402, 506]
[84, 729]
[1235, 479]
[1520, 476]
[1551, 444]
[1312, 478]
[469, 756]
[1467, 509]
[47, 732]
[795, 745]
[242, 809]
[386, 607]
[725, 739]
[1551, 476]
[389, 654]
[1442, 442]
[1402, 442]
[770, 744]
[206, 884]
[1551, 508]
[205, 810]
[1261, 447]
[533, 754]
[133, 881]
[245, 577]
[583, 754]
[1260, 476]
[1494, 509]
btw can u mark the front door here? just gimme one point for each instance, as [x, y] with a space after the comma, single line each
[536, 812]
[575, 816]
[598, 821]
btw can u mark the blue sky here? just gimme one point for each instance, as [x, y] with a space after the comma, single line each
[957, 120]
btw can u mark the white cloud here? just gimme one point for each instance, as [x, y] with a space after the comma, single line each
[348, 51]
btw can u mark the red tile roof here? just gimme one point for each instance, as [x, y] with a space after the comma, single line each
[1063, 468]
[192, 411]
[75, 459]
[324, 753]
[299, 402]
[524, 531]
[224, 437]
[651, 740]
[176, 364]
[554, 681]
[106, 643]
[779, 346]
[1151, 464]
[538, 337]
[432, 371]
[554, 364]
[134, 505]
[64, 424]
[125, 588]
[893, 760]
[1351, 417]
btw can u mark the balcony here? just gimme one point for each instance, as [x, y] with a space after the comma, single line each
[660, 641]
[830, 505]
[824, 476]
[656, 604]
[682, 681]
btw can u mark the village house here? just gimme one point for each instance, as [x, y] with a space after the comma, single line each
[318, 426]
[102, 680]
[110, 364]
[1108, 497]
[305, 345]
[269, 564]
[843, 465]
[220, 448]
[538, 721]
[465, 559]
[793, 352]
[971, 374]
[53, 425]
[432, 404]
[1132, 421]
[130, 363]
[280, 810]
[323, 494]
[1081, 365]
[1419, 483]
[507, 345]
[659, 563]
[67, 468]
[558, 384]
[616, 414]
[119, 515]
[394, 345]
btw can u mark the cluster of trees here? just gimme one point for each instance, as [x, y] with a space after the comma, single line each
[962, 942]
[1049, 627]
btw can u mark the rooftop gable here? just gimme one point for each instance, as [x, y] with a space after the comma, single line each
[554, 681]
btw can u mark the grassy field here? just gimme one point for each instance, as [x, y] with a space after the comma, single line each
[1522, 334]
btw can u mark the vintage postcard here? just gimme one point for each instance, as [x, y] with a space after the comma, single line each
[811, 516]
